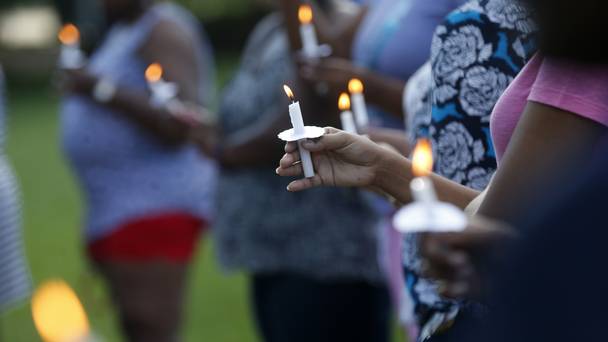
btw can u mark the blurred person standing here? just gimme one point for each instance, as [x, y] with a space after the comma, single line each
[384, 47]
[15, 280]
[149, 193]
[312, 257]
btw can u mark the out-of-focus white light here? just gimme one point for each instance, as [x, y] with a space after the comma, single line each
[29, 27]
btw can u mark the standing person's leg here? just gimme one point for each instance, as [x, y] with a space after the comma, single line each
[292, 308]
[149, 297]
[145, 263]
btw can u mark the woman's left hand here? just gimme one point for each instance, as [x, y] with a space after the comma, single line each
[453, 259]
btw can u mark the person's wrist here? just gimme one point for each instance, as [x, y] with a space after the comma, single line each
[391, 169]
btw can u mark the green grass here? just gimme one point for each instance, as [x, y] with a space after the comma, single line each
[218, 308]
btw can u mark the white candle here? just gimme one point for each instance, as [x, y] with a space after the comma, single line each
[355, 87]
[295, 114]
[70, 56]
[426, 213]
[422, 187]
[423, 190]
[162, 92]
[346, 116]
[308, 35]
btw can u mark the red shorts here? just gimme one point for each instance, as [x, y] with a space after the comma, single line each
[170, 237]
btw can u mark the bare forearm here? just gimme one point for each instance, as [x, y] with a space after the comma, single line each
[261, 149]
[395, 138]
[384, 92]
[136, 107]
[394, 175]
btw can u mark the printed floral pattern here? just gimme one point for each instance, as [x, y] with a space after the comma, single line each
[476, 52]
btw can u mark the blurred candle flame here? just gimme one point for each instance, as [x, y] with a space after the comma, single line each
[355, 86]
[154, 72]
[58, 314]
[344, 102]
[305, 14]
[289, 92]
[69, 34]
[422, 158]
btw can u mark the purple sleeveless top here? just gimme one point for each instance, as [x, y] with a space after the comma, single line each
[124, 171]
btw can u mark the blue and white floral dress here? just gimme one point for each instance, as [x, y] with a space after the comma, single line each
[476, 52]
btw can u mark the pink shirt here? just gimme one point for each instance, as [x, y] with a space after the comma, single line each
[580, 89]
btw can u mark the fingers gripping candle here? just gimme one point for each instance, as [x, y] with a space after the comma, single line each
[299, 132]
[346, 117]
[355, 87]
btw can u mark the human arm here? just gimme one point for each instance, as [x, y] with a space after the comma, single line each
[393, 137]
[347, 160]
[175, 53]
[547, 147]
[335, 25]
[383, 91]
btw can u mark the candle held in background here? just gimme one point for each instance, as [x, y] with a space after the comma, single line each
[70, 56]
[308, 35]
[162, 92]
[355, 87]
[346, 116]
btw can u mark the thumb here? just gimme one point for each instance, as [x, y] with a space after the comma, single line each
[333, 139]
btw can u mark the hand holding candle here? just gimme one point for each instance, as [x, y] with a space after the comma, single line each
[300, 132]
[355, 87]
[346, 117]
[426, 213]
[70, 56]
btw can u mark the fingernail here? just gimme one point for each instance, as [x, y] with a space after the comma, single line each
[277, 170]
[289, 187]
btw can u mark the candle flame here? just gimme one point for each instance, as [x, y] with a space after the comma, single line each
[289, 92]
[58, 313]
[69, 34]
[305, 14]
[154, 72]
[422, 158]
[355, 86]
[344, 102]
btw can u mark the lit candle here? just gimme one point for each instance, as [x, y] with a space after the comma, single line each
[297, 122]
[59, 315]
[422, 166]
[346, 117]
[355, 87]
[163, 92]
[70, 56]
[308, 36]
[426, 213]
